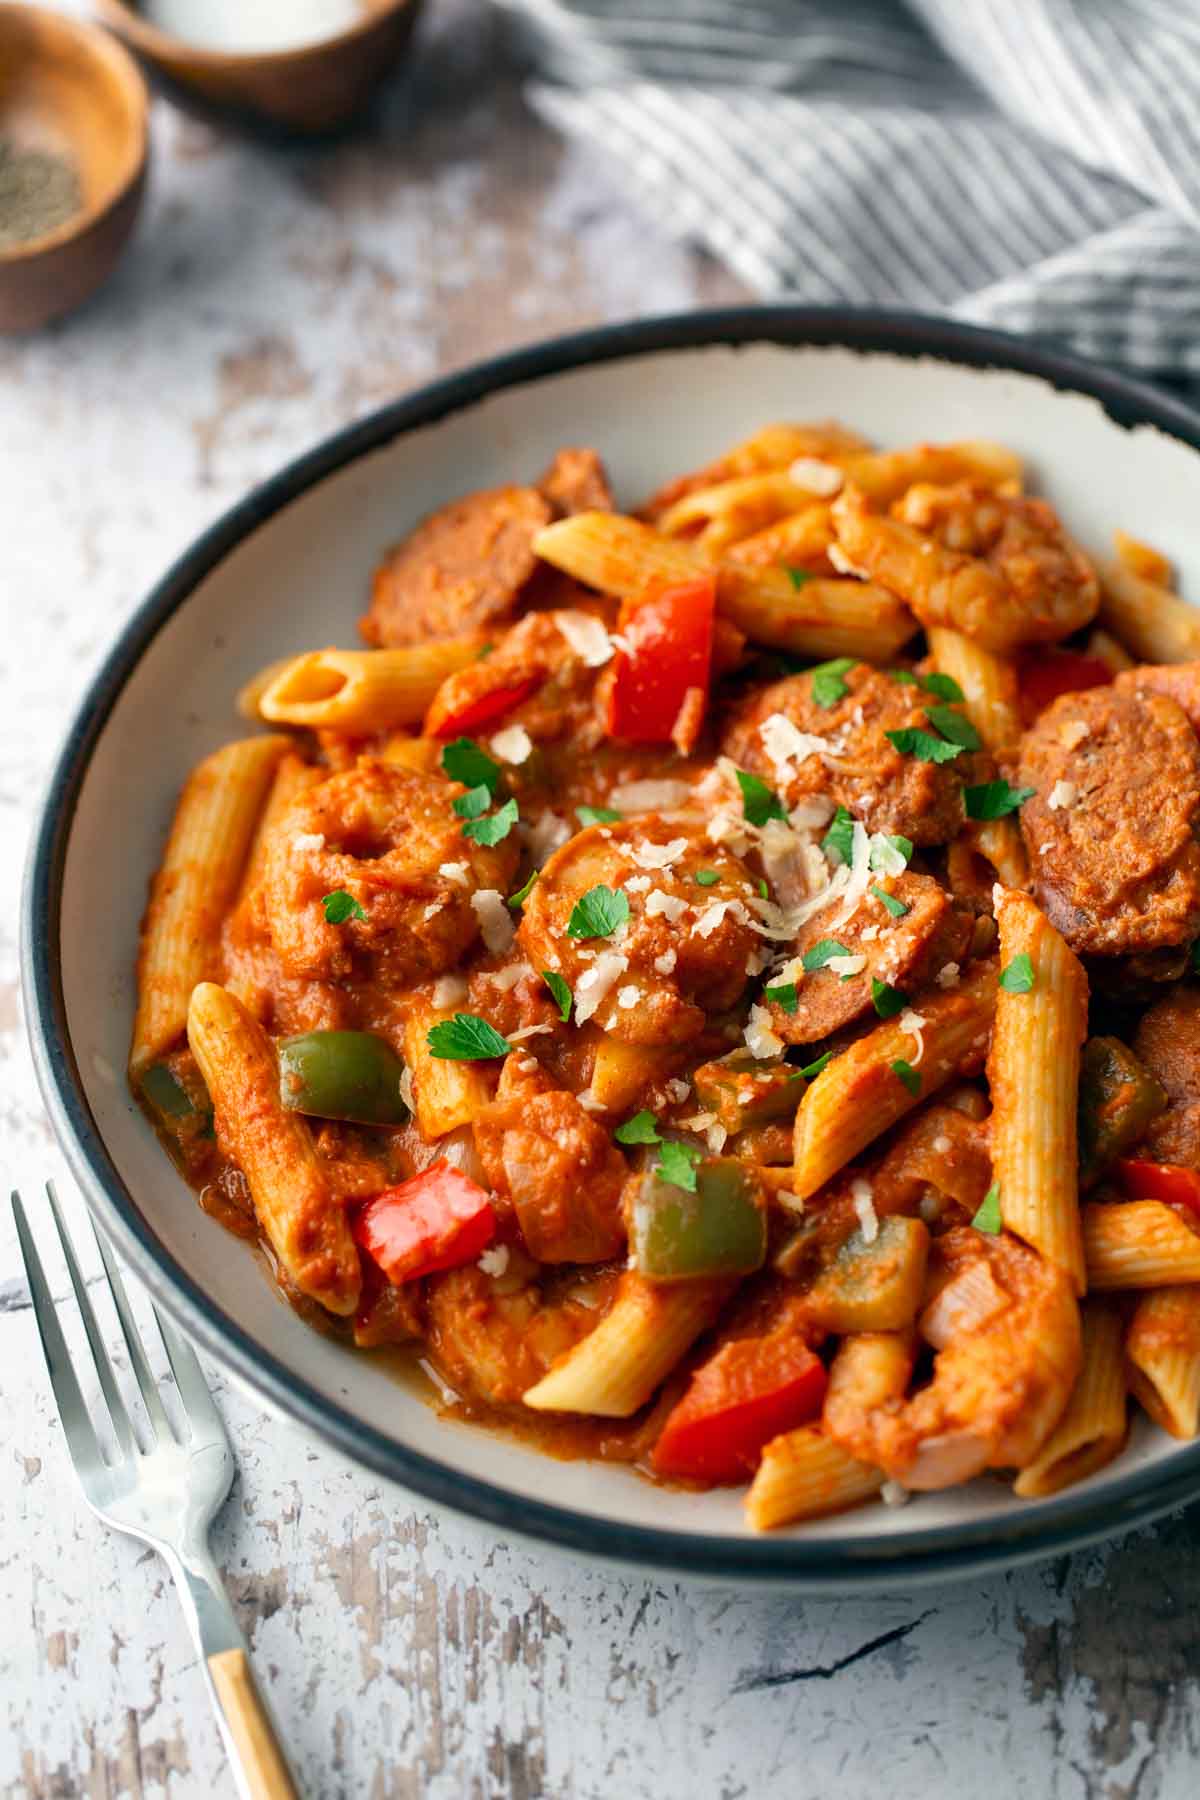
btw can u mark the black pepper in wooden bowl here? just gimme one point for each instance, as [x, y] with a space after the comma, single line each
[39, 191]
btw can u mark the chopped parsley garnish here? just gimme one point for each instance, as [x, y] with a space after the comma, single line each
[465, 761]
[474, 803]
[641, 1129]
[523, 892]
[763, 890]
[784, 996]
[466, 1038]
[954, 726]
[887, 1001]
[1017, 978]
[821, 953]
[340, 906]
[597, 815]
[988, 1217]
[759, 802]
[677, 1164]
[944, 686]
[828, 683]
[707, 877]
[797, 577]
[901, 845]
[598, 913]
[905, 1072]
[560, 990]
[811, 1070]
[912, 741]
[896, 907]
[837, 844]
[495, 828]
[483, 652]
[994, 799]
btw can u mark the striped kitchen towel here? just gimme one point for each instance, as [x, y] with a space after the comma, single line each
[1032, 164]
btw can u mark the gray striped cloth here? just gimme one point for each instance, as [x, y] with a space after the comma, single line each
[1031, 164]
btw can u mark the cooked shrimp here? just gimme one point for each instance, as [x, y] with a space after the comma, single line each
[494, 1344]
[998, 567]
[386, 836]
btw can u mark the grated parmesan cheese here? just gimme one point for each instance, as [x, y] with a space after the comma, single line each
[308, 840]
[711, 918]
[586, 637]
[947, 975]
[715, 1138]
[1072, 733]
[812, 813]
[914, 1024]
[843, 565]
[547, 834]
[864, 1206]
[845, 966]
[513, 744]
[628, 996]
[790, 1202]
[858, 879]
[595, 984]
[589, 1102]
[665, 964]
[942, 1145]
[817, 477]
[894, 1493]
[636, 884]
[760, 1039]
[677, 1090]
[658, 856]
[448, 990]
[494, 1261]
[528, 1031]
[885, 858]
[649, 796]
[785, 744]
[671, 906]
[456, 872]
[406, 1090]
[495, 919]
[1063, 793]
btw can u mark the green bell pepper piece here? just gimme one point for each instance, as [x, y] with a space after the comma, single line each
[1118, 1097]
[342, 1075]
[743, 1090]
[166, 1095]
[721, 1229]
[873, 1286]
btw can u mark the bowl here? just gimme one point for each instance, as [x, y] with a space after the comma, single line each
[317, 87]
[68, 89]
[288, 568]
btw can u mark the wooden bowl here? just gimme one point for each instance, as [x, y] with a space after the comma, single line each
[68, 88]
[315, 88]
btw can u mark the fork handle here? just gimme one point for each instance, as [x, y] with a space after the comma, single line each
[263, 1768]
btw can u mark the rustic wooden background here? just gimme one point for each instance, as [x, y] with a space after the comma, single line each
[271, 296]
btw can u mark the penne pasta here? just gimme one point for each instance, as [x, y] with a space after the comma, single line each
[803, 1475]
[858, 1095]
[988, 683]
[1138, 1244]
[616, 1368]
[445, 1094]
[1104, 645]
[420, 753]
[304, 1222]
[870, 1371]
[774, 447]
[293, 776]
[249, 695]
[885, 475]
[1162, 1350]
[1033, 1073]
[1092, 1430]
[195, 886]
[714, 517]
[363, 691]
[800, 539]
[1140, 608]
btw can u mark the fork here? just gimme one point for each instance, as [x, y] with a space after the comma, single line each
[167, 1495]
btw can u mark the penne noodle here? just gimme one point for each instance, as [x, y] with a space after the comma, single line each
[420, 753]
[617, 1367]
[195, 886]
[1092, 1430]
[293, 777]
[885, 475]
[1033, 1073]
[804, 1474]
[304, 1222]
[249, 695]
[858, 1096]
[988, 683]
[1138, 1244]
[1001, 842]
[1143, 559]
[1162, 1350]
[1104, 645]
[798, 540]
[446, 1094]
[1148, 618]
[734, 509]
[871, 1369]
[774, 447]
[364, 691]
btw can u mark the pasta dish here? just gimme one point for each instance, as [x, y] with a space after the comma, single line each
[718, 981]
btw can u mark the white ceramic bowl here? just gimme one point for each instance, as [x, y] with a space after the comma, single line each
[290, 568]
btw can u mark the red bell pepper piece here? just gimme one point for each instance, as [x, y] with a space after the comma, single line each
[740, 1399]
[670, 637]
[1042, 675]
[438, 1220]
[483, 709]
[1159, 1181]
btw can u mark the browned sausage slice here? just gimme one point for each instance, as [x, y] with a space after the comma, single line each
[1180, 680]
[1168, 1042]
[461, 569]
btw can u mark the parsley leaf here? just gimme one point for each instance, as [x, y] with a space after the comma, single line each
[901, 845]
[763, 890]
[598, 913]
[907, 1074]
[994, 799]
[474, 803]
[912, 741]
[797, 577]
[954, 726]
[495, 828]
[822, 953]
[707, 877]
[988, 1217]
[837, 844]
[887, 1001]
[944, 686]
[466, 1038]
[896, 907]
[522, 894]
[784, 996]
[641, 1129]
[464, 761]
[828, 686]
[759, 802]
[340, 906]
[597, 815]
[677, 1164]
[1017, 978]
[813, 1069]
[561, 992]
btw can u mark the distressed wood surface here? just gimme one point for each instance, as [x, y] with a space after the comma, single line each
[271, 296]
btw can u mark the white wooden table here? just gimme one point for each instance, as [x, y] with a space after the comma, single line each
[271, 296]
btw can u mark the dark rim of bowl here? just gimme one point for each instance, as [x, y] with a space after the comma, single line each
[830, 1564]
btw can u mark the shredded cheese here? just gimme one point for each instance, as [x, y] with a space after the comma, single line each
[1072, 733]
[1062, 794]
[658, 856]
[894, 1493]
[508, 977]
[677, 1090]
[665, 964]
[547, 834]
[586, 637]
[406, 1090]
[711, 918]
[455, 872]
[589, 1102]
[636, 884]
[845, 966]
[843, 565]
[650, 796]
[864, 1206]
[671, 906]
[513, 744]
[818, 477]
[914, 1024]
[812, 813]
[308, 840]
[494, 1261]
[595, 984]
[948, 975]
[785, 744]
[528, 1031]
[448, 990]
[495, 919]
[760, 1039]
[628, 996]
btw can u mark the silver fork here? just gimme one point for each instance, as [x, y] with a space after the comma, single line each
[167, 1495]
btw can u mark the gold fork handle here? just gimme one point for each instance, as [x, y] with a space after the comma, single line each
[264, 1770]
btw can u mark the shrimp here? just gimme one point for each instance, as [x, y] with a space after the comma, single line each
[389, 838]
[1008, 1353]
[997, 567]
[493, 1340]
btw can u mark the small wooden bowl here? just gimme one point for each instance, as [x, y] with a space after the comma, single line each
[316, 88]
[68, 88]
